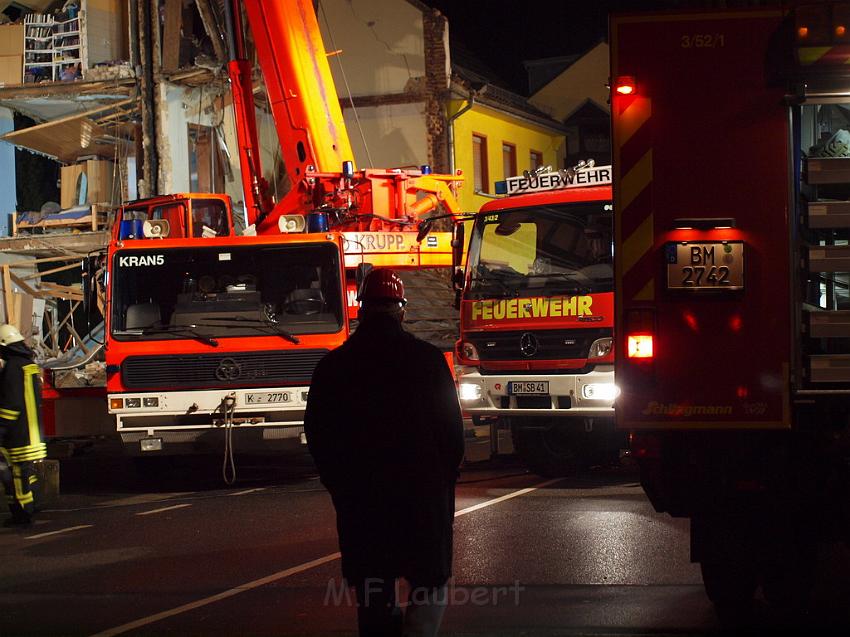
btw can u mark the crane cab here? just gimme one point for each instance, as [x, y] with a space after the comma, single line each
[179, 216]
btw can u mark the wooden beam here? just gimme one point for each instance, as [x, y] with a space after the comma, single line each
[30, 277]
[123, 112]
[70, 257]
[171, 37]
[62, 291]
[79, 338]
[211, 27]
[25, 286]
[66, 88]
[8, 296]
[87, 114]
[51, 246]
[68, 316]
[366, 101]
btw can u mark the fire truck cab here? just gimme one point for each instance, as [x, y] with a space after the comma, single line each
[206, 329]
[536, 343]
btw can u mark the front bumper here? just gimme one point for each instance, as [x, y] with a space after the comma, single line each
[565, 399]
[204, 409]
[193, 421]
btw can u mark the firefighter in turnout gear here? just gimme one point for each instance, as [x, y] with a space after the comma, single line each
[20, 427]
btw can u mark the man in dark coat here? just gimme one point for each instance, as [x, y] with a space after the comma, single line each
[20, 425]
[384, 428]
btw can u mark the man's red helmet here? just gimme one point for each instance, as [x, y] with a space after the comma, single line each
[383, 285]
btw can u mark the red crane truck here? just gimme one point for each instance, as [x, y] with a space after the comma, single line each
[731, 188]
[206, 330]
[537, 313]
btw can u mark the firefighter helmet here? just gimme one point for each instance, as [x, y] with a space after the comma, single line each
[9, 334]
[383, 285]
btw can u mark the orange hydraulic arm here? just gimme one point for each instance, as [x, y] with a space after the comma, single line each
[301, 93]
[255, 187]
[300, 86]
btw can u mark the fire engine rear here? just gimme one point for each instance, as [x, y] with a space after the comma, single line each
[731, 135]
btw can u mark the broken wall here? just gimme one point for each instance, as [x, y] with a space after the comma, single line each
[395, 135]
[106, 27]
[382, 44]
[8, 185]
[382, 59]
[210, 107]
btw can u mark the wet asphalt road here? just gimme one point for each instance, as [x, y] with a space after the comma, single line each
[188, 556]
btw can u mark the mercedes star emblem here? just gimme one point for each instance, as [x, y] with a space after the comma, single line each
[228, 369]
[528, 344]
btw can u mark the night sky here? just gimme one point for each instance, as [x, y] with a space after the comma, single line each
[503, 33]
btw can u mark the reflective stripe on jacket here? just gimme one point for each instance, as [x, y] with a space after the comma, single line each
[20, 410]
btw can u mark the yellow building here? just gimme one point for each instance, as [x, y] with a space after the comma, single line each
[495, 134]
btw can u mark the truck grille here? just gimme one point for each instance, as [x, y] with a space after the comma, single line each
[544, 345]
[206, 371]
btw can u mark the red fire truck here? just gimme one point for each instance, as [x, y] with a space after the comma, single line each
[732, 180]
[537, 312]
[208, 332]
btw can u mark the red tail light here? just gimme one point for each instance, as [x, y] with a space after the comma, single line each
[625, 85]
[640, 335]
[640, 346]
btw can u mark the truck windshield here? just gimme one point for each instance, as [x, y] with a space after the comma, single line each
[543, 250]
[226, 291]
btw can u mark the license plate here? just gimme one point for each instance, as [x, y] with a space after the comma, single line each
[525, 387]
[705, 266]
[268, 398]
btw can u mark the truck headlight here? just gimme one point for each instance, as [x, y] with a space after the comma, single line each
[600, 391]
[132, 403]
[601, 347]
[467, 351]
[469, 391]
[151, 401]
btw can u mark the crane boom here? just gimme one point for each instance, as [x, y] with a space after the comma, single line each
[314, 141]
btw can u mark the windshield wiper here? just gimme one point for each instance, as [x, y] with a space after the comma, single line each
[170, 329]
[565, 284]
[552, 275]
[259, 324]
[507, 290]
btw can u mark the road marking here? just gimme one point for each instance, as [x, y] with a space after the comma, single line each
[144, 621]
[514, 494]
[171, 508]
[289, 572]
[68, 530]
[247, 491]
[147, 498]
